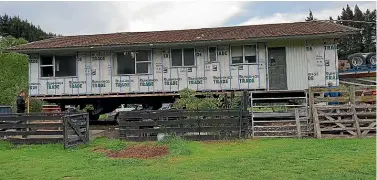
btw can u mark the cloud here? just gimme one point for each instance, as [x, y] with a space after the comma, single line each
[152, 16]
[323, 14]
[74, 18]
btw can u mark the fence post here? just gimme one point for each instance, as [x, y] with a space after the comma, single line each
[354, 114]
[87, 127]
[298, 124]
[65, 130]
[317, 127]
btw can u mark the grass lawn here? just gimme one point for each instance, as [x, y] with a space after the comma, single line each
[243, 159]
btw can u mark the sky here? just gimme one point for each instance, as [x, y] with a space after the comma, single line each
[97, 17]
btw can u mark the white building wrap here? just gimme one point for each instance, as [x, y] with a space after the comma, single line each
[97, 72]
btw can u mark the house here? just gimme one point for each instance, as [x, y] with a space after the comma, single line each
[287, 56]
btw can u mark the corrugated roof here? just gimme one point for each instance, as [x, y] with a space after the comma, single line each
[189, 35]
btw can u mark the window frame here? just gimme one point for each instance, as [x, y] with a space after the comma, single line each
[183, 57]
[53, 65]
[136, 62]
[243, 54]
[216, 53]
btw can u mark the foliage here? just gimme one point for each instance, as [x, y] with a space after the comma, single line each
[9, 41]
[13, 77]
[14, 70]
[365, 40]
[189, 100]
[36, 105]
[18, 28]
[248, 159]
[310, 17]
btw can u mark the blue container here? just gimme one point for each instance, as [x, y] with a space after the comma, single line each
[5, 109]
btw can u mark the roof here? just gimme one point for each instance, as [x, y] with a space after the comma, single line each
[189, 35]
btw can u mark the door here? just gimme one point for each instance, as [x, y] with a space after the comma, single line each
[277, 69]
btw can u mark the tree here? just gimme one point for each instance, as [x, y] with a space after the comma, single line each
[331, 19]
[310, 17]
[360, 42]
[369, 31]
[9, 41]
[14, 70]
[18, 28]
[357, 39]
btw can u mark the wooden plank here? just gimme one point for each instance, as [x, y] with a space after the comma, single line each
[367, 120]
[332, 89]
[283, 126]
[175, 113]
[332, 107]
[335, 114]
[65, 130]
[337, 129]
[331, 99]
[29, 118]
[35, 140]
[366, 113]
[42, 125]
[164, 130]
[366, 98]
[275, 121]
[298, 125]
[317, 129]
[337, 121]
[76, 129]
[182, 121]
[372, 126]
[25, 133]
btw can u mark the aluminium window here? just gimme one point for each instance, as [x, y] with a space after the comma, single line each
[134, 62]
[243, 54]
[183, 57]
[58, 66]
[212, 54]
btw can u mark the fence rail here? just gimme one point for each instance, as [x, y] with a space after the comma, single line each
[40, 128]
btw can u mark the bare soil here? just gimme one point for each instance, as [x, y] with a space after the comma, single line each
[137, 151]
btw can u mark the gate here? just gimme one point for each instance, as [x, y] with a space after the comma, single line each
[41, 128]
[76, 129]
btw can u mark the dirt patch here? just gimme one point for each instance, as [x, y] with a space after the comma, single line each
[137, 151]
[101, 150]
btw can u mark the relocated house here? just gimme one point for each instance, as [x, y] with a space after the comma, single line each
[288, 56]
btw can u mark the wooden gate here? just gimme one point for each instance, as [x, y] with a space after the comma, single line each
[351, 114]
[76, 129]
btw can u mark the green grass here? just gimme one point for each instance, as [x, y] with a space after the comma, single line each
[243, 159]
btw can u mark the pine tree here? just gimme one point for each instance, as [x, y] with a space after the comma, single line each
[18, 28]
[369, 31]
[310, 17]
[331, 19]
[357, 39]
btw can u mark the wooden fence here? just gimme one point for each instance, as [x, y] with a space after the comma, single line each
[40, 128]
[352, 114]
[191, 125]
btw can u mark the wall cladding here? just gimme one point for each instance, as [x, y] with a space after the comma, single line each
[96, 75]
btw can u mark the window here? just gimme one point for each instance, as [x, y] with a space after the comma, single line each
[187, 58]
[58, 66]
[65, 66]
[47, 66]
[212, 54]
[243, 54]
[134, 62]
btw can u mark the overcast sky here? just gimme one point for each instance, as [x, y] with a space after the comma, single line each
[74, 18]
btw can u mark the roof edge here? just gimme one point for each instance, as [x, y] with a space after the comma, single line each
[156, 45]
